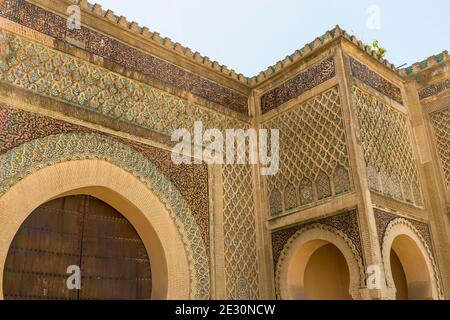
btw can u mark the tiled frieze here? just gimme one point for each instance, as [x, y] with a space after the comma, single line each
[46, 22]
[298, 85]
[434, 89]
[386, 143]
[361, 72]
[314, 162]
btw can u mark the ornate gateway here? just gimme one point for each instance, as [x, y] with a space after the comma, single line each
[94, 206]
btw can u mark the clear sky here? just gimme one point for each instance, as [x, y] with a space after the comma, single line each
[250, 35]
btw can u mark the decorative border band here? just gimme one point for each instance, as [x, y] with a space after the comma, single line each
[434, 89]
[298, 85]
[361, 72]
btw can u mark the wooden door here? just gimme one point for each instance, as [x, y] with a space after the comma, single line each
[81, 231]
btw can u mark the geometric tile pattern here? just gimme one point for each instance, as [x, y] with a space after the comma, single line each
[313, 152]
[60, 76]
[241, 263]
[386, 143]
[440, 120]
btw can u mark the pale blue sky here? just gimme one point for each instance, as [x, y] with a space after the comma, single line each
[250, 35]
